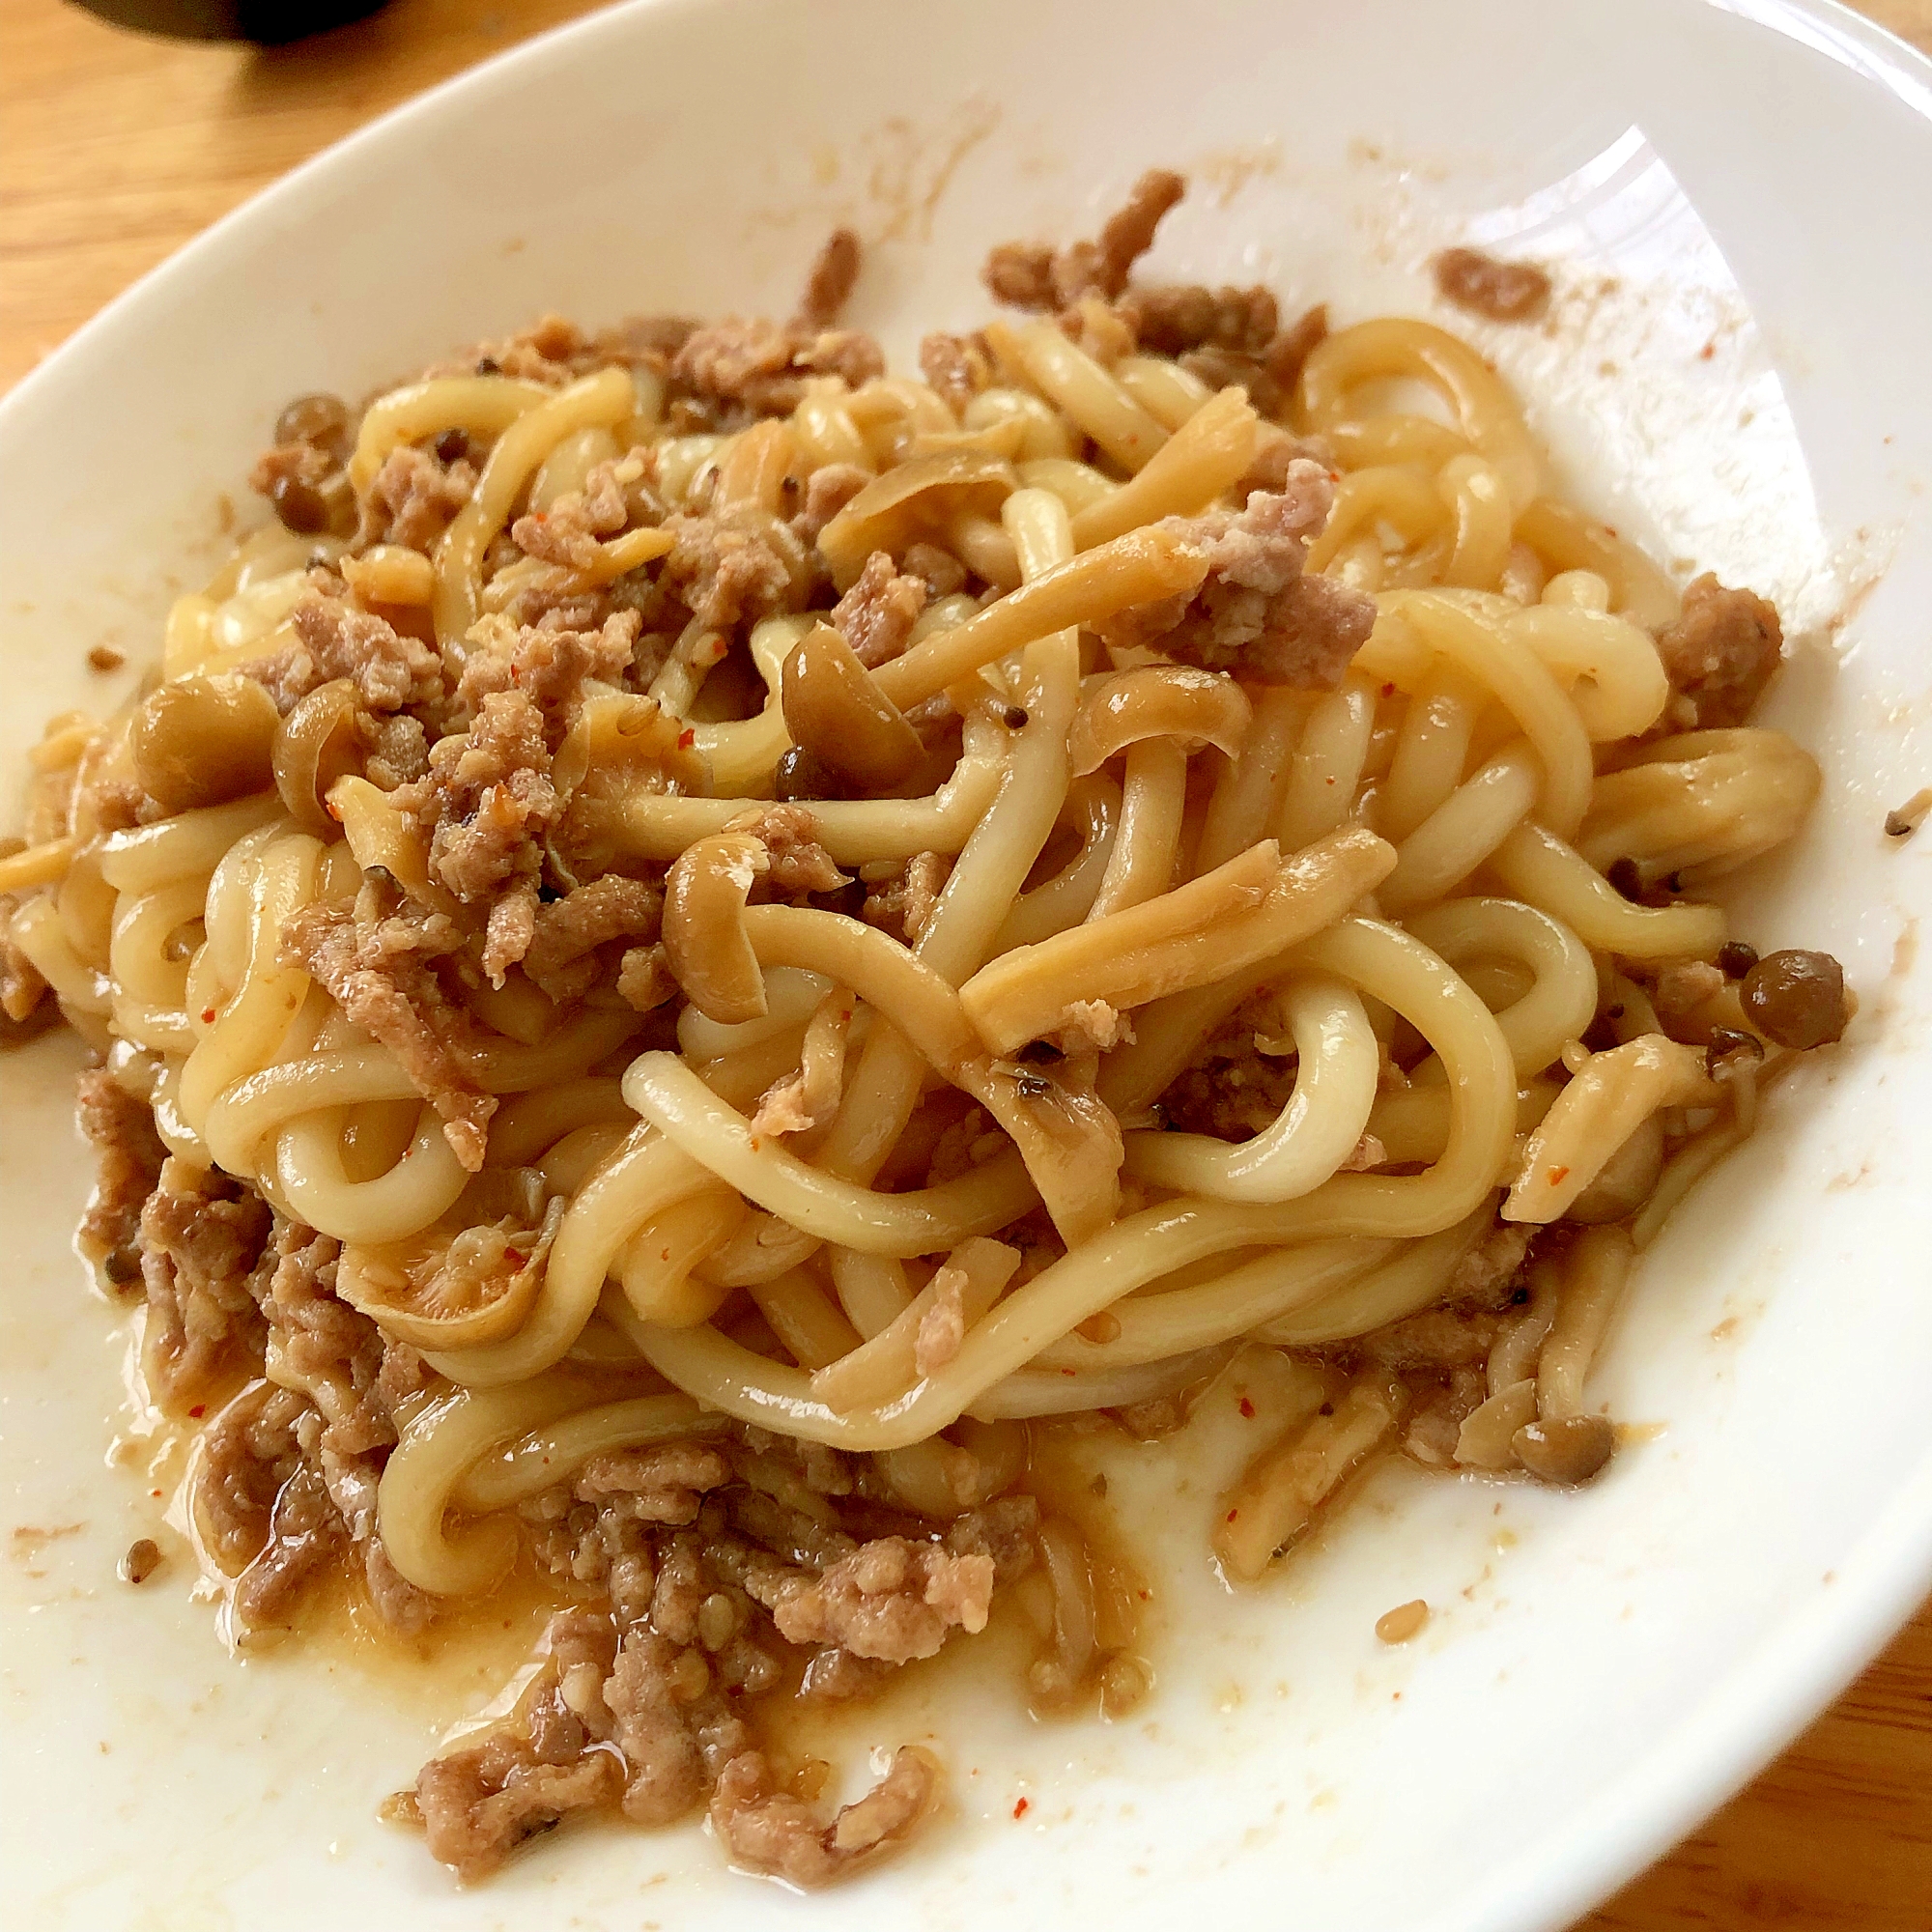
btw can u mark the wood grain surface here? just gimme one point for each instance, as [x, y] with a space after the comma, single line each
[115, 149]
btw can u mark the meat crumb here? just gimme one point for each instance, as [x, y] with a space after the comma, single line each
[1500, 291]
[829, 284]
[106, 658]
[1255, 610]
[1720, 654]
[765, 1830]
[1025, 274]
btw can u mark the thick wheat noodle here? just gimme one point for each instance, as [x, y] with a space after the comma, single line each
[1545, 873]
[1418, 629]
[310, 1166]
[1366, 500]
[483, 405]
[1485, 410]
[606, 398]
[1137, 848]
[655, 1266]
[1164, 389]
[506, 1476]
[1253, 786]
[1338, 1061]
[1561, 999]
[1412, 1278]
[1432, 750]
[1159, 1324]
[1328, 766]
[1093, 806]
[1081, 388]
[420, 1479]
[1153, 797]
[994, 860]
[719, 1138]
[1464, 828]
[662, 826]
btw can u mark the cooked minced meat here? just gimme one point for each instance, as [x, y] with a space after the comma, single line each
[1256, 612]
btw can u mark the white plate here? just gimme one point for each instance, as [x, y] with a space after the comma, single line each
[1737, 199]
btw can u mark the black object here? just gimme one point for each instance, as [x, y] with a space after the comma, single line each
[270, 23]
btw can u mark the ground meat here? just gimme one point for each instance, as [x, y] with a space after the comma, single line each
[553, 350]
[373, 967]
[829, 283]
[890, 1599]
[412, 498]
[1720, 654]
[645, 981]
[800, 864]
[762, 369]
[570, 532]
[305, 1537]
[22, 989]
[1486, 1276]
[1438, 1338]
[488, 799]
[764, 1829]
[1255, 610]
[1233, 1090]
[955, 367]
[876, 615]
[128, 1153]
[248, 1452]
[334, 638]
[675, 1728]
[548, 665]
[1172, 321]
[660, 1483]
[1033, 276]
[480, 1802]
[1500, 291]
[1296, 343]
[201, 1235]
[827, 490]
[903, 902]
[726, 571]
[943, 572]
[1005, 1530]
[1436, 1422]
[562, 952]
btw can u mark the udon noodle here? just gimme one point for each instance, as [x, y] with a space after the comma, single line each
[699, 940]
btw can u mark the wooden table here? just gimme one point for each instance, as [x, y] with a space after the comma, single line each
[115, 149]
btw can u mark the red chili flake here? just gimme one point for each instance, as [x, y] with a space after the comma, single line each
[334, 810]
[208, 1015]
[1559, 1175]
[199, 1410]
[1146, 1596]
[1388, 690]
[663, 1253]
[1022, 1807]
[1233, 1514]
[1247, 1408]
[686, 739]
[153, 1493]
[1066, 1371]
[1708, 349]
